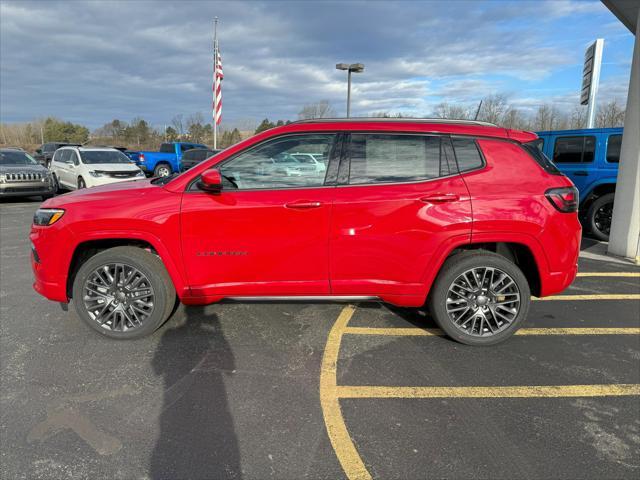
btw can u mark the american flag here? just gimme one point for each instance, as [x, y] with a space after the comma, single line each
[217, 86]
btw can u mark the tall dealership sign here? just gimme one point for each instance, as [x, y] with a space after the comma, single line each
[591, 78]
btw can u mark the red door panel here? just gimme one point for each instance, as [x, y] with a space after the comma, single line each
[384, 237]
[257, 242]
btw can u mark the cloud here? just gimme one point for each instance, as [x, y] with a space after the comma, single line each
[95, 61]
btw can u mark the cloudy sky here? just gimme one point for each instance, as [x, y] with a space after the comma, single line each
[91, 62]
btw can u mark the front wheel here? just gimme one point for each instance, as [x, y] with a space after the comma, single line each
[123, 293]
[479, 298]
[599, 217]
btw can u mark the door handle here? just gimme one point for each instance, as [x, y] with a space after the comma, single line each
[581, 173]
[440, 198]
[303, 205]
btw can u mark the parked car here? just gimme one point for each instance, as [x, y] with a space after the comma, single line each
[44, 154]
[80, 167]
[589, 157]
[407, 211]
[166, 161]
[191, 158]
[314, 159]
[22, 176]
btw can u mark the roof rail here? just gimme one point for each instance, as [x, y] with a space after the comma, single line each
[398, 119]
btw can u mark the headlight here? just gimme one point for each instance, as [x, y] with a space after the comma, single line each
[95, 174]
[140, 174]
[47, 216]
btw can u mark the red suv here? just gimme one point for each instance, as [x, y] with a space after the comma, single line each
[468, 217]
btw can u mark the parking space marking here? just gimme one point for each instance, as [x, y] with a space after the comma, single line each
[539, 391]
[613, 296]
[334, 421]
[331, 393]
[608, 274]
[427, 332]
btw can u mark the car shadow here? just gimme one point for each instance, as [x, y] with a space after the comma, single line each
[197, 437]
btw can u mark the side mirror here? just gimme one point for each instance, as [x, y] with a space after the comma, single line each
[211, 181]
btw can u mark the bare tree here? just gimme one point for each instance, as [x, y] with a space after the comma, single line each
[578, 117]
[513, 118]
[545, 118]
[455, 112]
[493, 108]
[610, 114]
[321, 109]
[383, 114]
[178, 124]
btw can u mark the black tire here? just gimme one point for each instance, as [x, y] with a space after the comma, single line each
[56, 184]
[46, 197]
[162, 170]
[456, 266]
[148, 265]
[599, 217]
[81, 183]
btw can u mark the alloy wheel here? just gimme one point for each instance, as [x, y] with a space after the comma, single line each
[164, 172]
[602, 218]
[119, 297]
[483, 301]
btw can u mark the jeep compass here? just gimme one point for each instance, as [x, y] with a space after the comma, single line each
[466, 217]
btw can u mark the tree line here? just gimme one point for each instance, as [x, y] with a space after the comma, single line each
[139, 134]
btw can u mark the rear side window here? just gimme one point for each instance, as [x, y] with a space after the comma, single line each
[467, 153]
[540, 158]
[167, 148]
[574, 149]
[380, 158]
[613, 148]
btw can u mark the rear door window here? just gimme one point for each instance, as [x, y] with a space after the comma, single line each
[467, 153]
[579, 149]
[613, 148]
[385, 158]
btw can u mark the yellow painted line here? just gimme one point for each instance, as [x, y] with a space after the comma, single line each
[547, 391]
[614, 296]
[608, 274]
[428, 332]
[346, 452]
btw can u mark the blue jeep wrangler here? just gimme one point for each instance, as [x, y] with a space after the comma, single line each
[589, 157]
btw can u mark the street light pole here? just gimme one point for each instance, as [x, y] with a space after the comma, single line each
[348, 93]
[354, 67]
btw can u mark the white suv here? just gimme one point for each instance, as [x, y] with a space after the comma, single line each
[80, 167]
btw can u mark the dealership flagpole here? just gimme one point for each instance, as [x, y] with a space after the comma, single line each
[215, 76]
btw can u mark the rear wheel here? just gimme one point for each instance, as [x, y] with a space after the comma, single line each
[123, 293]
[479, 298]
[162, 170]
[599, 217]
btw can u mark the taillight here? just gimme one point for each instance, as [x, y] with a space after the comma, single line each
[564, 199]
[141, 157]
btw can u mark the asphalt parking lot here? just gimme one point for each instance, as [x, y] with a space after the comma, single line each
[296, 390]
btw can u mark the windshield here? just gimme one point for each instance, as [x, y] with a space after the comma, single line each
[104, 156]
[16, 158]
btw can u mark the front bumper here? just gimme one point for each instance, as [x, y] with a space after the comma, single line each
[50, 261]
[25, 189]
